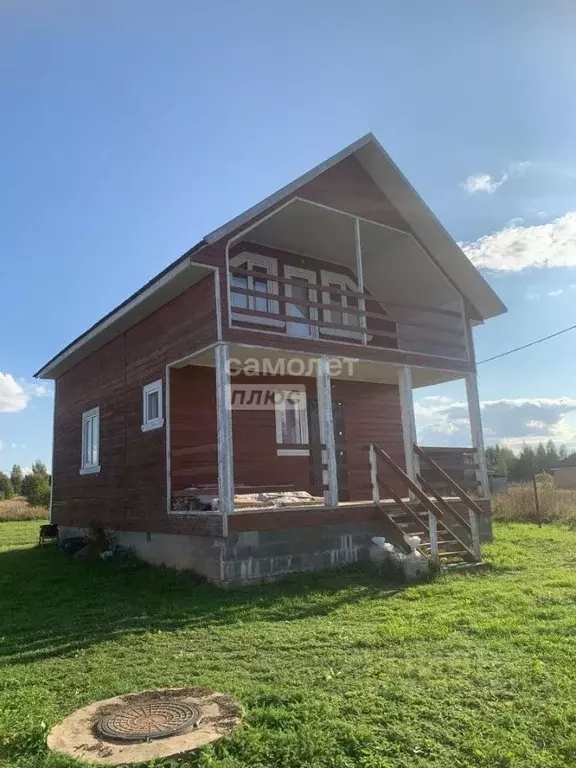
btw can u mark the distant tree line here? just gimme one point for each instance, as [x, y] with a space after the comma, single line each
[35, 486]
[520, 467]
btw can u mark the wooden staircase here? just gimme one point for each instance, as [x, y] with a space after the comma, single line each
[446, 533]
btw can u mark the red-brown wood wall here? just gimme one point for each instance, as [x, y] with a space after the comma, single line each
[371, 414]
[129, 492]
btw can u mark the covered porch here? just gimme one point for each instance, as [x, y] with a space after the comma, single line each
[308, 434]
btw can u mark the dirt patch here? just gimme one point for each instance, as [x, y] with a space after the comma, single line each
[77, 736]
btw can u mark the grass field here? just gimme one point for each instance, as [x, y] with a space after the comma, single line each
[335, 671]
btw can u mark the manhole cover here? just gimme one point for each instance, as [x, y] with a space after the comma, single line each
[154, 719]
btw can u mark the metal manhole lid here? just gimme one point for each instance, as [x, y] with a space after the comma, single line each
[143, 721]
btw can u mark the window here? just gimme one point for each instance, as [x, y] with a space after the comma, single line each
[302, 276]
[338, 305]
[260, 267]
[152, 415]
[90, 442]
[291, 422]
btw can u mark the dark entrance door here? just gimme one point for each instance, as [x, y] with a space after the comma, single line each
[340, 438]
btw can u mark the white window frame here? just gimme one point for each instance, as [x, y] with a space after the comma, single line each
[280, 410]
[147, 423]
[89, 419]
[310, 276]
[345, 283]
[271, 266]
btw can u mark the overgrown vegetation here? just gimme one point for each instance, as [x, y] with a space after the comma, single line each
[517, 503]
[338, 671]
[18, 508]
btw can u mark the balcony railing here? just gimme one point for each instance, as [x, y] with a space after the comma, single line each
[346, 315]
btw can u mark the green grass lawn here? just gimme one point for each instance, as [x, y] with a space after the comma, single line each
[336, 670]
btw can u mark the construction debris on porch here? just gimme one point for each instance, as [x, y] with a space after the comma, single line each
[190, 499]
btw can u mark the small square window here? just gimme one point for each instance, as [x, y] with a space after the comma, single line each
[90, 458]
[152, 415]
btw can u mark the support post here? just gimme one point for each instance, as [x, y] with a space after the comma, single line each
[327, 429]
[477, 436]
[408, 422]
[360, 275]
[374, 474]
[433, 529]
[475, 531]
[224, 426]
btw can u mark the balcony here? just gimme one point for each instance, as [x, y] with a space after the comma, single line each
[317, 274]
[335, 310]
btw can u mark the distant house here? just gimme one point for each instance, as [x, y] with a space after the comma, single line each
[565, 473]
[249, 412]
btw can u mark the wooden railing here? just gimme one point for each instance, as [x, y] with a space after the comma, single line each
[443, 466]
[368, 321]
[440, 511]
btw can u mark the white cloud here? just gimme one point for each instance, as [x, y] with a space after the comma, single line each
[520, 168]
[1, 445]
[557, 292]
[13, 398]
[15, 395]
[510, 421]
[533, 296]
[486, 182]
[38, 390]
[517, 247]
[482, 182]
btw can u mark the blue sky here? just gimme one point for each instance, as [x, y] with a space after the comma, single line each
[130, 130]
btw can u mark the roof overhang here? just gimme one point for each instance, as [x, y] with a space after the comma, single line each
[167, 286]
[355, 369]
[396, 267]
[425, 226]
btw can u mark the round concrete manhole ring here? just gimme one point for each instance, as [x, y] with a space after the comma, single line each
[150, 725]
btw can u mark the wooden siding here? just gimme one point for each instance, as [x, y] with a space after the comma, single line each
[348, 187]
[371, 413]
[129, 493]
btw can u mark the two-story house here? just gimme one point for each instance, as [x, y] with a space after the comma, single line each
[249, 412]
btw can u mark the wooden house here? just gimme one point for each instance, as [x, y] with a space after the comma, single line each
[249, 412]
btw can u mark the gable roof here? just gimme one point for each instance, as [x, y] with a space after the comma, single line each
[424, 224]
[183, 272]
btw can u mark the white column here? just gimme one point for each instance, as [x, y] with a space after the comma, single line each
[224, 424]
[374, 474]
[327, 429]
[408, 421]
[360, 276]
[477, 435]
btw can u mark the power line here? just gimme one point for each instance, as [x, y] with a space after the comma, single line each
[525, 346]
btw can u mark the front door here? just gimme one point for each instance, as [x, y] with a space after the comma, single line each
[317, 476]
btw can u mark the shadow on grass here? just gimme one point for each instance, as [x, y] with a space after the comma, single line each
[52, 606]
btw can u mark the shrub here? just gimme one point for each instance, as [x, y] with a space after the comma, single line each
[36, 490]
[516, 503]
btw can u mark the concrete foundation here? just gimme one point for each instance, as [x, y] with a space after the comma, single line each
[256, 556]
